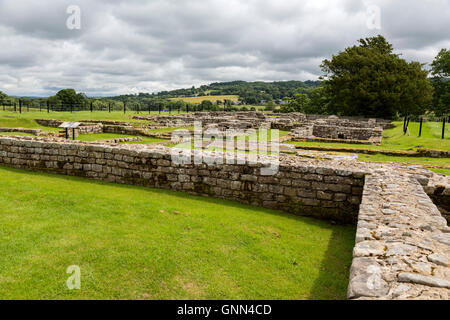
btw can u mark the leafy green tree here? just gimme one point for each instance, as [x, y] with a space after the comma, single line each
[67, 98]
[370, 80]
[441, 83]
[206, 105]
[441, 65]
[299, 103]
[318, 101]
[3, 98]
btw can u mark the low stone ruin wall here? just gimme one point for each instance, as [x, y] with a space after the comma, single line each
[385, 124]
[36, 132]
[90, 129]
[323, 191]
[84, 128]
[439, 192]
[348, 133]
[402, 242]
[134, 131]
[53, 123]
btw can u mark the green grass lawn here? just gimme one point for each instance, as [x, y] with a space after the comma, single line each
[16, 134]
[171, 129]
[105, 136]
[394, 139]
[139, 243]
[441, 171]
[26, 119]
[430, 162]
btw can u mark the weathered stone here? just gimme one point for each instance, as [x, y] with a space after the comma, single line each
[424, 280]
[400, 249]
[438, 259]
[368, 248]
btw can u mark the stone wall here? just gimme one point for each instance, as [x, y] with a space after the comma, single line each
[322, 191]
[439, 191]
[402, 242]
[36, 132]
[334, 129]
[84, 128]
[347, 133]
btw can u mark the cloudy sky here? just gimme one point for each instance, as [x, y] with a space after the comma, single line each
[130, 46]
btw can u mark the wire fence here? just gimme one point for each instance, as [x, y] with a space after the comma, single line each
[133, 107]
[444, 122]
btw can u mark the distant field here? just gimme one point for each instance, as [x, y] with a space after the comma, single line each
[209, 98]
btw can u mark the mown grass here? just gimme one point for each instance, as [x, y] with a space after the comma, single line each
[430, 162]
[139, 243]
[394, 139]
[24, 134]
[105, 136]
[26, 119]
[441, 171]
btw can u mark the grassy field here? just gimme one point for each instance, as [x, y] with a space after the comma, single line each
[428, 162]
[394, 139]
[138, 243]
[208, 98]
[26, 119]
[23, 134]
[105, 136]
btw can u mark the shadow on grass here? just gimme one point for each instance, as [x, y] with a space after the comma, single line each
[334, 268]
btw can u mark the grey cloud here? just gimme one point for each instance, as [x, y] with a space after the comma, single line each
[165, 44]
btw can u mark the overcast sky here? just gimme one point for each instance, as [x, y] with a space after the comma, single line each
[135, 46]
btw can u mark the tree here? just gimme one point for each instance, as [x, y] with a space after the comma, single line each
[441, 83]
[206, 105]
[370, 80]
[318, 101]
[3, 98]
[299, 103]
[67, 98]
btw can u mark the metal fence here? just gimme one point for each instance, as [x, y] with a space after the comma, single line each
[444, 121]
[133, 107]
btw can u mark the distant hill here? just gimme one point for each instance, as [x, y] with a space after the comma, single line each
[247, 92]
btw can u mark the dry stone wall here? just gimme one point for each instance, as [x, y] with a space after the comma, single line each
[36, 132]
[321, 191]
[402, 241]
[84, 128]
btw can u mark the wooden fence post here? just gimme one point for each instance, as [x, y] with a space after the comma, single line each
[420, 130]
[443, 129]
